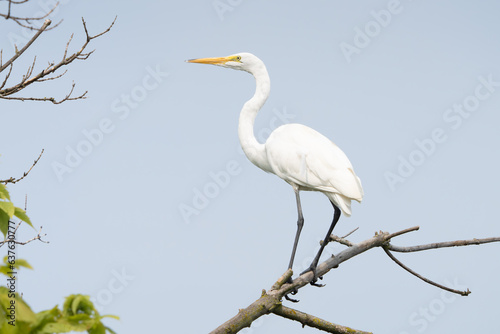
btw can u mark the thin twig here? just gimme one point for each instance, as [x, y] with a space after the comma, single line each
[37, 237]
[406, 230]
[25, 21]
[20, 52]
[340, 240]
[53, 78]
[51, 68]
[463, 293]
[7, 76]
[13, 180]
[434, 245]
[348, 234]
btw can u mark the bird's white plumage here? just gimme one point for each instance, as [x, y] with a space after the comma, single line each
[303, 157]
[296, 153]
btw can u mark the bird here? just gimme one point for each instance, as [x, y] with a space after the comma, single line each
[301, 156]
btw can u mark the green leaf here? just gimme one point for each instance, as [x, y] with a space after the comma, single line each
[78, 304]
[22, 263]
[9, 329]
[4, 223]
[8, 208]
[21, 214]
[78, 323]
[4, 297]
[5, 268]
[75, 302]
[110, 330]
[23, 311]
[98, 328]
[45, 317]
[4, 193]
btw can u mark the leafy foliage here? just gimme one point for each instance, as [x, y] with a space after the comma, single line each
[78, 313]
[8, 210]
[6, 267]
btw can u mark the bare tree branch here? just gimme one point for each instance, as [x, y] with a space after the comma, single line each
[270, 301]
[25, 22]
[7, 76]
[44, 75]
[51, 99]
[20, 52]
[314, 322]
[37, 237]
[14, 180]
[340, 240]
[348, 234]
[406, 230]
[393, 258]
[434, 245]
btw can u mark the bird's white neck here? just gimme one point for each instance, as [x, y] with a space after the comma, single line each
[254, 150]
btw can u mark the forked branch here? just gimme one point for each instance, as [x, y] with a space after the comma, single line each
[49, 72]
[39, 237]
[393, 258]
[25, 21]
[271, 301]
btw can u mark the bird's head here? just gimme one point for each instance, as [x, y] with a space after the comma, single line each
[241, 61]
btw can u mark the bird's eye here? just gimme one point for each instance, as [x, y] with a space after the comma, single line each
[238, 58]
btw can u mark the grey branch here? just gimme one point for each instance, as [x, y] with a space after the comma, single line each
[393, 258]
[312, 321]
[270, 301]
[442, 245]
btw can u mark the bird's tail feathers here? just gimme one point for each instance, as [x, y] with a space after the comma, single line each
[342, 202]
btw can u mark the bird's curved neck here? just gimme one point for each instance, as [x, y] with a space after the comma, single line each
[254, 150]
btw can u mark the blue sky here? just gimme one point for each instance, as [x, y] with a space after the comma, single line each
[410, 90]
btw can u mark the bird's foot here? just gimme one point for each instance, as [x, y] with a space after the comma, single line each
[293, 300]
[315, 277]
[293, 292]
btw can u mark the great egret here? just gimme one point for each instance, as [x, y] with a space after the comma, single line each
[301, 156]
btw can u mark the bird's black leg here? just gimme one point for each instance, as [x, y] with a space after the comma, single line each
[300, 224]
[314, 264]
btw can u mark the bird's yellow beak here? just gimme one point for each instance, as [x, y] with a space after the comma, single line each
[213, 61]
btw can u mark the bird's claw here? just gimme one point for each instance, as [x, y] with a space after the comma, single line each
[315, 277]
[293, 300]
[313, 283]
[293, 292]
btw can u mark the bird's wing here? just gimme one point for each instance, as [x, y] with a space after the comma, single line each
[303, 156]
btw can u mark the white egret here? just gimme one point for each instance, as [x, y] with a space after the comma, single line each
[301, 156]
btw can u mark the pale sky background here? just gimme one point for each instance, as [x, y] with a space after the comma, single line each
[118, 212]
